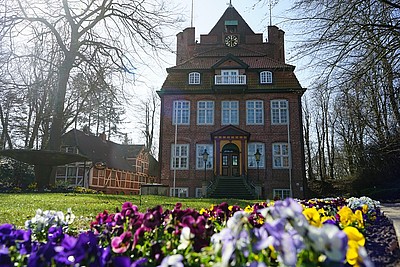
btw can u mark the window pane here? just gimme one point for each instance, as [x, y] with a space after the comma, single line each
[255, 112]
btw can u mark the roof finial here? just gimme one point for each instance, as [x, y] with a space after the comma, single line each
[230, 3]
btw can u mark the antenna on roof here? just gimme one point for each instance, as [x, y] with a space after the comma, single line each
[272, 3]
[191, 17]
[230, 3]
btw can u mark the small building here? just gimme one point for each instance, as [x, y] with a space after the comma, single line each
[231, 115]
[113, 168]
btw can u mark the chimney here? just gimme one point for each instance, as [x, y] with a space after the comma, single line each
[276, 37]
[185, 42]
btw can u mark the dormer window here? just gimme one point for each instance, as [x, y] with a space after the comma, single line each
[194, 78]
[266, 77]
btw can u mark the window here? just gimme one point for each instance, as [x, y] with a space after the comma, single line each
[199, 156]
[280, 155]
[199, 192]
[251, 159]
[180, 160]
[266, 77]
[255, 112]
[279, 111]
[281, 193]
[230, 112]
[229, 76]
[181, 113]
[194, 78]
[179, 192]
[205, 112]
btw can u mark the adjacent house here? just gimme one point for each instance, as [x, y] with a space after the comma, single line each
[113, 168]
[231, 116]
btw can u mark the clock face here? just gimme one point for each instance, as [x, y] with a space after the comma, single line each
[231, 40]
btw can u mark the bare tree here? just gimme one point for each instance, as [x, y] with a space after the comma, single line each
[356, 47]
[148, 108]
[83, 30]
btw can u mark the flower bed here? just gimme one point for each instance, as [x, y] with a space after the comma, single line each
[327, 232]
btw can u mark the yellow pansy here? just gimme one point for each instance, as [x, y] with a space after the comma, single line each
[365, 208]
[360, 220]
[355, 235]
[355, 240]
[312, 216]
[249, 209]
[346, 215]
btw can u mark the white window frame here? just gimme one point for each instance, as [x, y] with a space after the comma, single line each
[251, 159]
[229, 113]
[253, 112]
[206, 112]
[199, 156]
[281, 193]
[194, 78]
[266, 77]
[279, 155]
[229, 76]
[279, 112]
[181, 192]
[182, 156]
[181, 112]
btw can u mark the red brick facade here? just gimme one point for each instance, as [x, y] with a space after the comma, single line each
[232, 145]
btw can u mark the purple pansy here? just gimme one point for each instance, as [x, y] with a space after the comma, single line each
[121, 243]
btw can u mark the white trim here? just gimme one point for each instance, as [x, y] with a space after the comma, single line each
[229, 111]
[266, 77]
[181, 192]
[251, 158]
[255, 110]
[279, 113]
[206, 109]
[282, 193]
[194, 78]
[181, 112]
[182, 159]
[281, 156]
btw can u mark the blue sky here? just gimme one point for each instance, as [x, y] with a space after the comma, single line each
[205, 15]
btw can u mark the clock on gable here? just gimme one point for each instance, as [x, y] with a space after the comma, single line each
[231, 40]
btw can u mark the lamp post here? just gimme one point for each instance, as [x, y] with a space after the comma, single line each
[257, 155]
[205, 158]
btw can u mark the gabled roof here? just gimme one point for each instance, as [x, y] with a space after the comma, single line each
[230, 130]
[229, 58]
[231, 14]
[98, 150]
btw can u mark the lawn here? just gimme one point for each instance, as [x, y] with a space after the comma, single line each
[17, 208]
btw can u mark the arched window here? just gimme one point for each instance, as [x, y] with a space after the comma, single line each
[194, 78]
[266, 77]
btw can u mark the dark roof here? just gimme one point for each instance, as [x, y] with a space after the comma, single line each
[254, 60]
[98, 150]
[231, 14]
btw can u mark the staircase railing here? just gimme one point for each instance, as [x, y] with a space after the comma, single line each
[211, 186]
[249, 183]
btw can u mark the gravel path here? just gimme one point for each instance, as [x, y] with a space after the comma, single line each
[382, 243]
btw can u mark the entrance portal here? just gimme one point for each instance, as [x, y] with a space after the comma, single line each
[230, 160]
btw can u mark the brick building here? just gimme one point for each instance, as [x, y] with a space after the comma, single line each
[231, 95]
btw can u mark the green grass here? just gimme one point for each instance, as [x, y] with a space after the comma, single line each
[17, 208]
